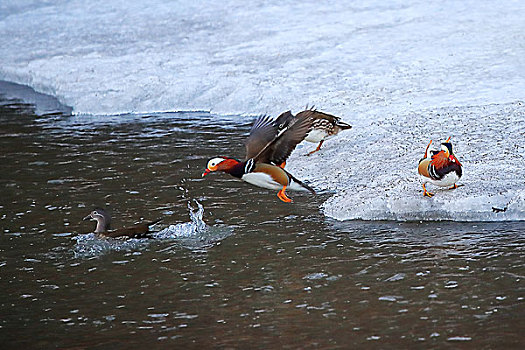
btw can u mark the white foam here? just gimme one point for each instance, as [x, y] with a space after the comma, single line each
[186, 229]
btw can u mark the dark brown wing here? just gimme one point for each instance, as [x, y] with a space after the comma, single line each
[321, 115]
[262, 132]
[141, 230]
[136, 231]
[287, 138]
[332, 119]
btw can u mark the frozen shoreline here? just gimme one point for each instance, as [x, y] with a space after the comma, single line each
[372, 168]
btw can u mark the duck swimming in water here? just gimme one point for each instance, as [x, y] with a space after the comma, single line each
[103, 220]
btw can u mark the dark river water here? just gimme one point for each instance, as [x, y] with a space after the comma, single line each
[233, 267]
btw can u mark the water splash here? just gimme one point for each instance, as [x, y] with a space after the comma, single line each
[90, 245]
[186, 229]
[194, 234]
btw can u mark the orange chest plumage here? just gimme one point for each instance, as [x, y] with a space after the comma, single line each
[275, 172]
[441, 165]
[440, 161]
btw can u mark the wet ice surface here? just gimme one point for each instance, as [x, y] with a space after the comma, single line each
[238, 57]
[373, 167]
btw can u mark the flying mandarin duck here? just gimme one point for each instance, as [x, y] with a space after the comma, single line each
[268, 146]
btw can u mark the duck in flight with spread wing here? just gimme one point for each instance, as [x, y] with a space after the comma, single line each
[268, 146]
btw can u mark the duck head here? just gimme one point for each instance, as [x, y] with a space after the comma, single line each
[102, 218]
[219, 164]
[446, 147]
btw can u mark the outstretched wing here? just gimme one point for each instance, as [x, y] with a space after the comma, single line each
[283, 120]
[262, 132]
[288, 136]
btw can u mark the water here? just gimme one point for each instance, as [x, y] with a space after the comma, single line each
[233, 267]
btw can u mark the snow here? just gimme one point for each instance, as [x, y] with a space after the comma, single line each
[401, 72]
[237, 57]
[372, 168]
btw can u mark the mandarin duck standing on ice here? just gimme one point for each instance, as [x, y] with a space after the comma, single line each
[440, 168]
[268, 146]
[324, 127]
[102, 229]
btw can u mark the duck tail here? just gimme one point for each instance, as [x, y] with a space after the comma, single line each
[300, 183]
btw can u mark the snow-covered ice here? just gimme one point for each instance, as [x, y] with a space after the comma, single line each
[238, 57]
[372, 168]
[401, 72]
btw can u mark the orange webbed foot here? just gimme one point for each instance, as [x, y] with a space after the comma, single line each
[282, 196]
[453, 187]
[426, 193]
[317, 149]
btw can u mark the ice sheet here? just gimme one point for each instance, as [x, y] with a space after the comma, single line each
[43, 103]
[115, 56]
[372, 168]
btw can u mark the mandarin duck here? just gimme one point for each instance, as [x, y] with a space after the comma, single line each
[102, 229]
[324, 127]
[268, 146]
[440, 168]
